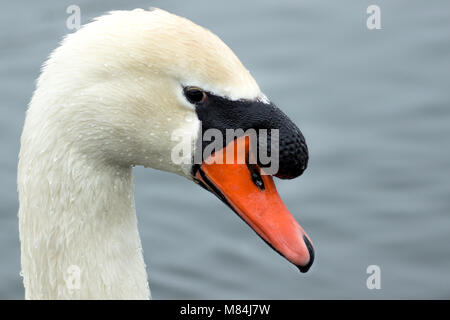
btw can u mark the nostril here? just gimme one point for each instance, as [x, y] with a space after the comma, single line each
[310, 248]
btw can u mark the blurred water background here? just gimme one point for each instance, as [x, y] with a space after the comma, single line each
[374, 106]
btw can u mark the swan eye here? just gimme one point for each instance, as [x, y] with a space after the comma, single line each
[195, 95]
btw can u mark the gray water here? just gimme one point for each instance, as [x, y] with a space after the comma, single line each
[374, 106]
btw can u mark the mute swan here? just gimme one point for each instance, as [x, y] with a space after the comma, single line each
[109, 98]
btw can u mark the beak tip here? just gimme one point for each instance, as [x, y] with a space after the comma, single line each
[305, 268]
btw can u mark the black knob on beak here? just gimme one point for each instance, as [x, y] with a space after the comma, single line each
[293, 153]
[292, 149]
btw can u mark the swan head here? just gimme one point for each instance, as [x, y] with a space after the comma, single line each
[144, 87]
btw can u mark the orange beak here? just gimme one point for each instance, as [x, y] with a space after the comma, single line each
[254, 197]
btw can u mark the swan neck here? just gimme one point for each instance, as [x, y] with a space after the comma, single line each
[78, 228]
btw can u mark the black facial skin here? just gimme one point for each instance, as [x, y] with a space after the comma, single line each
[221, 113]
